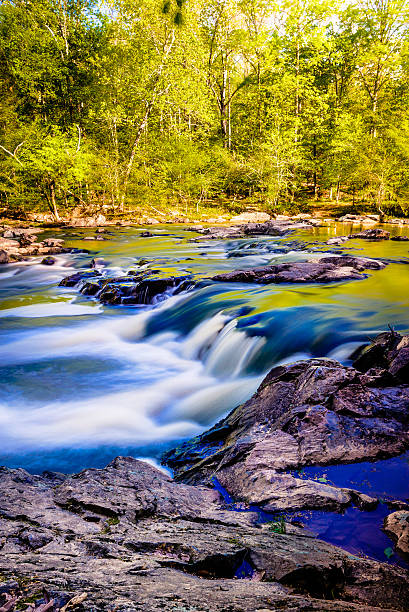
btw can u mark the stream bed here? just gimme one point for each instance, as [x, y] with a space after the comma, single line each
[84, 382]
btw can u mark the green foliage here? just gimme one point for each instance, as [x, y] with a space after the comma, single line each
[277, 525]
[268, 102]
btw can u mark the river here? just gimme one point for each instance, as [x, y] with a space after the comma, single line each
[83, 382]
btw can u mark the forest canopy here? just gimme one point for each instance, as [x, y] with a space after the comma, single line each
[270, 102]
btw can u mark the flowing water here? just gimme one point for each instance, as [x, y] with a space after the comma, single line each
[82, 382]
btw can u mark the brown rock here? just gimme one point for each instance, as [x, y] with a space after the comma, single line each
[396, 525]
[372, 234]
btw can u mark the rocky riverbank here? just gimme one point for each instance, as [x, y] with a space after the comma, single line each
[309, 413]
[19, 244]
[129, 537]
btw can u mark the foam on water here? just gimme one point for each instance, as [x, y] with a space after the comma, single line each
[79, 375]
[175, 391]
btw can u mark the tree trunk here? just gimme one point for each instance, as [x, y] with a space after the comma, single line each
[53, 202]
[314, 149]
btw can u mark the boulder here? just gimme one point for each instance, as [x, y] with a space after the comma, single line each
[396, 526]
[48, 261]
[360, 219]
[323, 270]
[312, 412]
[400, 238]
[4, 257]
[53, 242]
[268, 228]
[372, 234]
[337, 240]
[87, 221]
[133, 539]
[386, 356]
[20, 243]
[135, 288]
[74, 279]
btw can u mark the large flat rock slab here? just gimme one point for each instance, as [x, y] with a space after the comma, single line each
[131, 538]
[323, 270]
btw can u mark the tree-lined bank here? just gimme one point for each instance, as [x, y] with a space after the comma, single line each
[180, 104]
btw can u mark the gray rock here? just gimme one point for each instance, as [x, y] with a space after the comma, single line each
[314, 412]
[387, 356]
[372, 234]
[268, 228]
[133, 539]
[323, 270]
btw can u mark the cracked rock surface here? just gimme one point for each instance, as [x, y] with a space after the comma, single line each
[134, 539]
[312, 412]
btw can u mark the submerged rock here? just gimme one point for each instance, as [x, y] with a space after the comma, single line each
[133, 539]
[323, 270]
[48, 261]
[313, 412]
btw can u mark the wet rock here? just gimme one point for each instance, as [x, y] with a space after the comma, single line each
[372, 234]
[396, 526]
[48, 261]
[154, 544]
[337, 240]
[146, 234]
[74, 279]
[97, 262]
[268, 228]
[90, 288]
[4, 257]
[134, 288]
[313, 412]
[323, 270]
[387, 356]
[400, 238]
